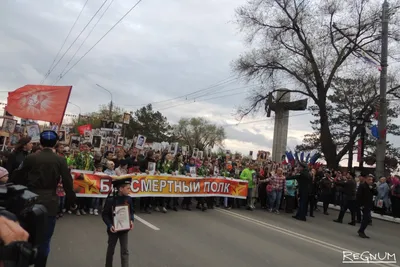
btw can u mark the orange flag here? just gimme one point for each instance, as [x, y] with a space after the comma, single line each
[39, 102]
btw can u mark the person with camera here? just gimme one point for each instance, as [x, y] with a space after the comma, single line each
[41, 172]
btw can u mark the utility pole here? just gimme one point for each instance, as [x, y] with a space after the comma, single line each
[111, 102]
[382, 120]
[111, 109]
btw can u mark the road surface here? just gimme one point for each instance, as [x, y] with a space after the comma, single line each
[234, 238]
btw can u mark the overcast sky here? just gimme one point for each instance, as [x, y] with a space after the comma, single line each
[161, 50]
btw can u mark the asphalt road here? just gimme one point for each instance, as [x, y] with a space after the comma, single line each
[235, 238]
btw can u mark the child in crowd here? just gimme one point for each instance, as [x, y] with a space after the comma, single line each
[111, 219]
[61, 196]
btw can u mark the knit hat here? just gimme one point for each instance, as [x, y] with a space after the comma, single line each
[3, 172]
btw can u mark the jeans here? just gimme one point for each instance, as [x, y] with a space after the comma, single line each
[44, 248]
[302, 210]
[174, 201]
[275, 197]
[366, 218]
[61, 203]
[159, 202]
[250, 197]
[145, 203]
[95, 203]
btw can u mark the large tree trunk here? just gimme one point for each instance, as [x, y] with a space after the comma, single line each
[328, 147]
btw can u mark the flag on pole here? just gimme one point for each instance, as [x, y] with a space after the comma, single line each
[39, 102]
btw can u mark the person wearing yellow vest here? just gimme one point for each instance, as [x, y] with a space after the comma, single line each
[249, 174]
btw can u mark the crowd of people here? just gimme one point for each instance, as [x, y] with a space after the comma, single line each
[275, 187]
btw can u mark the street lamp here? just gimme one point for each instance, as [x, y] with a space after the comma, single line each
[111, 103]
[362, 124]
[80, 110]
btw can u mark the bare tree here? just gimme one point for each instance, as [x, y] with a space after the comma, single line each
[296, 41]
[350, 96]
[199, 133]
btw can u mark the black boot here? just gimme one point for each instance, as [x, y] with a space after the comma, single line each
[362, 235]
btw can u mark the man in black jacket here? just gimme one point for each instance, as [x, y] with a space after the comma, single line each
[41, 173]
[325, 186]
[304, 181]
[365, 194]
[349, 198]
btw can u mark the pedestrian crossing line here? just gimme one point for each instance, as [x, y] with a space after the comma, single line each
[295, 235]
[151, 226]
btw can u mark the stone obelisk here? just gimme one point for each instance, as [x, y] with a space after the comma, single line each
[281, 126]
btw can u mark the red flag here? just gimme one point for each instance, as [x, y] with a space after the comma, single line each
[39, 102]
[83, 128]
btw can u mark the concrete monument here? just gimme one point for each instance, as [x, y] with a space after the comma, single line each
[281, 105]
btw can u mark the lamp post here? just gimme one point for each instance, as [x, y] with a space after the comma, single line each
[362, 123]
[111, 103]
[80, 110]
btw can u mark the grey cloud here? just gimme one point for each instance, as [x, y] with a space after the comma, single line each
[247, 136]
[151, 56]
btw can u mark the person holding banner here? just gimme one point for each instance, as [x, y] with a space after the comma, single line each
[249, 174]
[144, 167]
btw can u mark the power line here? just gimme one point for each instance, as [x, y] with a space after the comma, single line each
[228, 90]
[264, 120]
[202, 100]
[76, 39]
[65, 41]
[84, 41]
[196, 98]
[208, 88]
[220, 83]
[126, 14]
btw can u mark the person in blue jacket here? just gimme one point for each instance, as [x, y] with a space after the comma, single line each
[120, 197]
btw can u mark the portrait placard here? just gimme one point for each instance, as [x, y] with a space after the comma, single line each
[140, 142]
[126, 118]
[122, 218]
[120, 141]
[61, 136]
[192, 171]
[151, 167]
[9, 125]
[33, 132]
